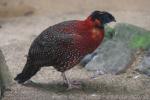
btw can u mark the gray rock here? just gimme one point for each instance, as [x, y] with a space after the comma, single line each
[134, 37]
[5, 77]
[112, 57]
[115, 54]
[126, 32]
[87, 59]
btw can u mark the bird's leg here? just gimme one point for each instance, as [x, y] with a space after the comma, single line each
[66, 81]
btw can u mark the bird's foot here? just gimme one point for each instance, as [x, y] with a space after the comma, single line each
[76, 82]
[71, 85]
[74, 85]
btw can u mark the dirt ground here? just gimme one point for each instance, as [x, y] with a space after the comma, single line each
[22, 20]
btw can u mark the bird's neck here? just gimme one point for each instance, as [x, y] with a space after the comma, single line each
[88, 27]
[89, 23]
[93, 35]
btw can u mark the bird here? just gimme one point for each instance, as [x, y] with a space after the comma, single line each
[65, 44]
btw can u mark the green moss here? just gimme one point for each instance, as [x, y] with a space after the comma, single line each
[141, 41]
[109, 32]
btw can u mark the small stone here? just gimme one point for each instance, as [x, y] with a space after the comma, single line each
[112, 57]
[137, 76]
[93, 95]
[144, 66]
[28, 13]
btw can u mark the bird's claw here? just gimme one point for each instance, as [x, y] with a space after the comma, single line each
[97, 73]
[74, 85]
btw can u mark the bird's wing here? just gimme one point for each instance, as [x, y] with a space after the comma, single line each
[56, 35]
[45, 47]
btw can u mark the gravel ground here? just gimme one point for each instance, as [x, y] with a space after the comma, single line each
[21, 25]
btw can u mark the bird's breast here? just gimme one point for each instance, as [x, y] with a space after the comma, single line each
[95, 38]
[91, 39]
[96, 34]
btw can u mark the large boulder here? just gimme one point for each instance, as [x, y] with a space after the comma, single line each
[5, 77]
[115, 54]
[112, 57]
[126, 32]
[135, 37]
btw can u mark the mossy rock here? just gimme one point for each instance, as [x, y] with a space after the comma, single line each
[109, 32]
[135, 37]
[115, 54]
[5, 76]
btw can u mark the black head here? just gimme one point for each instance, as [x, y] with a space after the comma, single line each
[102, 16]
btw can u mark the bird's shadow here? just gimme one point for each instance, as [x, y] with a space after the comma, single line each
[86, 87]
[55, 87]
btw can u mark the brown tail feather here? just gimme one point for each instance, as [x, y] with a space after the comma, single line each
[27, 73]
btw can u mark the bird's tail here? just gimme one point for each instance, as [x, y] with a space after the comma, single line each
[27, 73]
